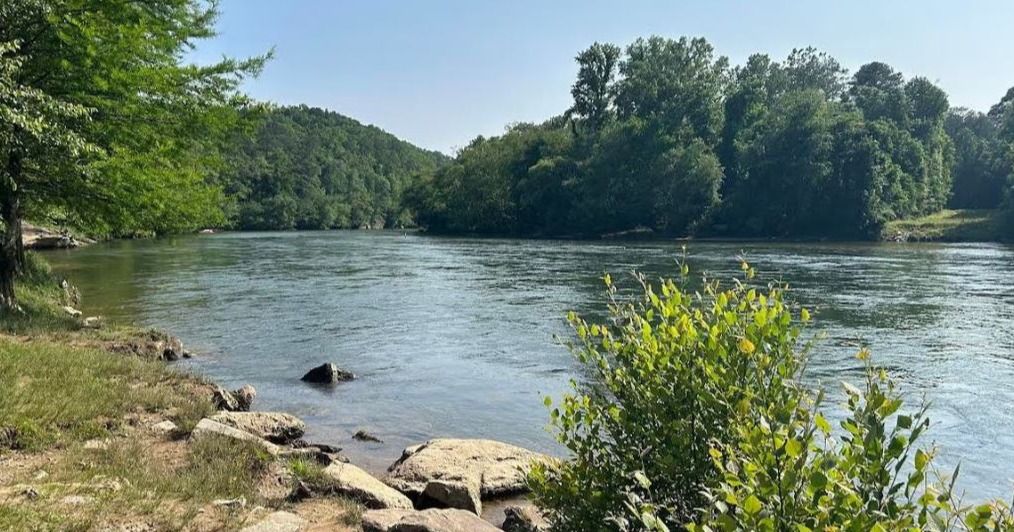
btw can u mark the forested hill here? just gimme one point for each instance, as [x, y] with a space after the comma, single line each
[309, 168]
[667, 135]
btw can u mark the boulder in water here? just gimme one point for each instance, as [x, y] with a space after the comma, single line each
[327, 374]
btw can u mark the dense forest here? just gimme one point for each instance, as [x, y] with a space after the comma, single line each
[667, 136]
[308, 168]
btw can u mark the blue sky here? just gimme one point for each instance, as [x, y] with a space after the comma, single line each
[438, 73]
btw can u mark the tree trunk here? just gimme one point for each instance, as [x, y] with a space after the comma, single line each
[11, 247]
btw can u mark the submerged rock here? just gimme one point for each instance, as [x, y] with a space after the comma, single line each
[433, 520]
[362, 435]
[491, 468]
[359, 485]
[276, 427]
[327, 374]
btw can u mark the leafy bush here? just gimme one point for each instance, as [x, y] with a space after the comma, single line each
[786, 470]
[670, 375]
[694, 417]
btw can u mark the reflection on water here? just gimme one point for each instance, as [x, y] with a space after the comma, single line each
[455, 337]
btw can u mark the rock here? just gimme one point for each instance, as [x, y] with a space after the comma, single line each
[76, 500]
[207, 427]
[237, 401]
[357, 484]
[245, 396]
[278, 522]
[275, 427]
[433, 520]
[362, 435]
[327, 374]
[73, 312]
[172, 349]
[455, 494]
[231, 504]
[92, 322]
[206, 232]
[164, 427]
[497, 469]
[524, 518]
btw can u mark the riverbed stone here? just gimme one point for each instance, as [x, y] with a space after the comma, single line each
[327, 374]
[276, 427]
[237, 401]
[208, 427]
[432, 520]
[493, 468]
[459, 494]
[357, 484]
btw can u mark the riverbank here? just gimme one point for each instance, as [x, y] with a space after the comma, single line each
[103, 434]
[968, 225]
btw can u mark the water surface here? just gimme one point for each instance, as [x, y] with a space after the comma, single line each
[455, 337]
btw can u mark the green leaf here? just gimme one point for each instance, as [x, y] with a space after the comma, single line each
[752, 505]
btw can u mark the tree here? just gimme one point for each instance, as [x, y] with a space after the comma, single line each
[104, 125]
[979, 179]
[592, 91]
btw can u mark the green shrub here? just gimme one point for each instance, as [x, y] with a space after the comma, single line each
[670, 373]
[785, 469]
[693, 416]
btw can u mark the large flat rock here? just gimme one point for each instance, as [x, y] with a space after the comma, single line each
[275, 427]
[208, 427]
[493, 468]
[433, 520]
[357, 484]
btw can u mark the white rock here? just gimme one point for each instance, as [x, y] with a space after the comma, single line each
[208, 427]
[494, 468]
[164, 427]
[433, 520]
[73, 312]
[357, 484]
[275, 427]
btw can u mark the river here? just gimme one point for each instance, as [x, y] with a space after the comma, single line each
[462, 337]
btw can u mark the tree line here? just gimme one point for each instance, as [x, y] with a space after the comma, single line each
[309, 168]
[667, 135]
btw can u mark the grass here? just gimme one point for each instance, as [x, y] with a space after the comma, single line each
[950, 226]
[57, 395]
[312, 474]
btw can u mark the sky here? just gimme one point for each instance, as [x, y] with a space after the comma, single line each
[438, 73]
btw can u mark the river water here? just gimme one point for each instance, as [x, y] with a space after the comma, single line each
[462, 337]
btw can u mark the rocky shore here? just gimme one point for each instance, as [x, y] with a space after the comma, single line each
[435, 486]
[440, 485]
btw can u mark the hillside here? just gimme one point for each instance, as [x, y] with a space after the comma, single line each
[309, 168]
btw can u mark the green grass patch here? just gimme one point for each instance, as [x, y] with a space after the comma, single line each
[54, 394]
[42, 299]
[949, 226]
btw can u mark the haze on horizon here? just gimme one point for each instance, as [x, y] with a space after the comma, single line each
[438, 74]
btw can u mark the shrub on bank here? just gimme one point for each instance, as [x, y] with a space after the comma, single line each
[694, 416]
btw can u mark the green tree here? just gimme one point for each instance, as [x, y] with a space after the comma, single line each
[104, 124]
[592, 92]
